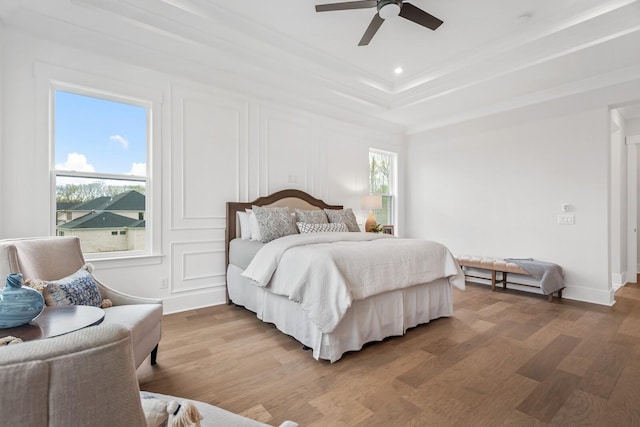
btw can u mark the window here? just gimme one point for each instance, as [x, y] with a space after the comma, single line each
[382, 181]
[100, 144]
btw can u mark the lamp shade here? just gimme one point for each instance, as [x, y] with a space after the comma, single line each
[371, 202]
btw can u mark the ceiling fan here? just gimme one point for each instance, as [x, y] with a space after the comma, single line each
[386, 9]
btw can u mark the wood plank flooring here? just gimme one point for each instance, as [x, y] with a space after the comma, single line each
[503, 359]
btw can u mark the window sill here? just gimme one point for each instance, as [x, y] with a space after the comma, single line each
[124, 261]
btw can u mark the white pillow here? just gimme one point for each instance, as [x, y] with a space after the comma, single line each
[253, 226]
[245, 229]
[333, 227]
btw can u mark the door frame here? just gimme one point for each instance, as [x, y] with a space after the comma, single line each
[632, 143]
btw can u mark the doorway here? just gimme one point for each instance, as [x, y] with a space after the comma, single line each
[625, 133]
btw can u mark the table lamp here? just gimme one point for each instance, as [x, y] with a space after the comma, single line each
[371, 202]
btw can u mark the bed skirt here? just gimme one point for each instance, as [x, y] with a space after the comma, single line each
[371, 319]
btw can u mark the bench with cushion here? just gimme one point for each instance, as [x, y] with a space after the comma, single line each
[495, 265]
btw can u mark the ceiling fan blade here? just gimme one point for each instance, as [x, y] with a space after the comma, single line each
[346, 5]
[419, 16]
[371, 30]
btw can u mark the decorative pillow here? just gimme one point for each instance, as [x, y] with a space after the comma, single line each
[80, 288]
[245, 229]
[274, 223]
[254, 230]
[316, 216]
[305, 227]
[168, 413]
[343, 215]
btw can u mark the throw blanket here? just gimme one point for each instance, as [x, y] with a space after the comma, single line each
[549, 275]
[326, 272]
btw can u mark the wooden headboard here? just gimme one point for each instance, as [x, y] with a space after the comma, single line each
[293, 199]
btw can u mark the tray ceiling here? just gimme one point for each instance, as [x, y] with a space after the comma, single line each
[487, 57]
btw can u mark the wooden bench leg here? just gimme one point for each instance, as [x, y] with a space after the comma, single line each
[559, 295]
[493, 280]
[504, 280]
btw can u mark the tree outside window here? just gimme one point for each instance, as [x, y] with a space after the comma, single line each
[381, 182]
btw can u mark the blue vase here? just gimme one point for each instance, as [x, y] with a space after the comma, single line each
[18, 304]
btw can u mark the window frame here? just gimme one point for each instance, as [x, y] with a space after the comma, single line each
[393, 182]
[52, 79]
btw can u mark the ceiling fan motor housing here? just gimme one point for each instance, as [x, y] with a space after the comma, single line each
[389, 8]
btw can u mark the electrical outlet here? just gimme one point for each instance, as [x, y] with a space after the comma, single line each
[164, 283]
[566, 219]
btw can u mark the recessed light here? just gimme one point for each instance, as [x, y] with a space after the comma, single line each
[398, 70]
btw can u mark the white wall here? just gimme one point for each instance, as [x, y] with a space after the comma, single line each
[498, 193]
[215, 146]
[633, 127]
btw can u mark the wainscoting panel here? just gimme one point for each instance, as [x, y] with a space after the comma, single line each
[197, 266]
[284, 149]
[347, 163]
[209, 135]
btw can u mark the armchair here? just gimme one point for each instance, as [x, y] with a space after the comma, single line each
[84, 378]
[53, 258]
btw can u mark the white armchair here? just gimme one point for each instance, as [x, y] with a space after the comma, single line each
[85, 378]
[53, 258]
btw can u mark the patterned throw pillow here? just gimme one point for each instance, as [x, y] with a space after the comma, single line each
[316, 216]
[305, 227]
[274, 223]
[343, 215]
[80, 288]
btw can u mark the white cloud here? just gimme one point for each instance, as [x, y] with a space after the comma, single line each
[122, 140]
[138, 169]
[76, 162]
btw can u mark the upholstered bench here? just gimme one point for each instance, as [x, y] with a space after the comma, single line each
[495, 265]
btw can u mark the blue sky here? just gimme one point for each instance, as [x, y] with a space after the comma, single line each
[96, 135]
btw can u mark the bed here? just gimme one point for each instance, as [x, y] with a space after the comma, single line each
[285, 283]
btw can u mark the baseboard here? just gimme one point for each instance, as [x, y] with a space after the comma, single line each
[594, 296]
[576, 293]
[191, 300]
[618, 279]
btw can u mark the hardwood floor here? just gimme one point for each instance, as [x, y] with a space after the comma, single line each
[504, 358]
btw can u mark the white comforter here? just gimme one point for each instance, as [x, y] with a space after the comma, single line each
[326, 272]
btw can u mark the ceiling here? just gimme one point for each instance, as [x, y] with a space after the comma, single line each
[488, 56]
[630, 112]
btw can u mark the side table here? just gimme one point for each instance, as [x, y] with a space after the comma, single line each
[54, 321]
